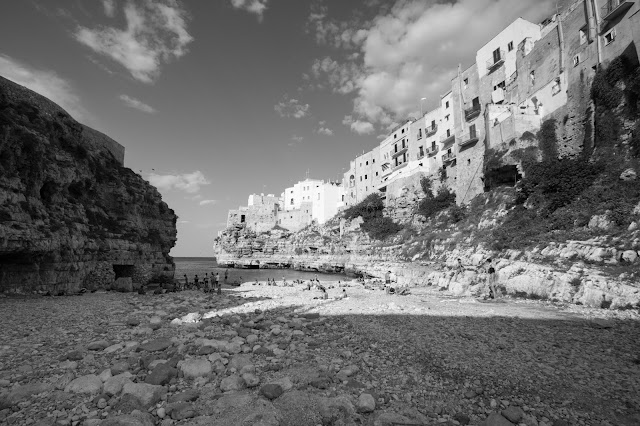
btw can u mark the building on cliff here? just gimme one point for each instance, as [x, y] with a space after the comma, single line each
[71, 215]
[527, 74]
[308, 201]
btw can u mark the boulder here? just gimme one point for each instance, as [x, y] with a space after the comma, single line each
[89, 384]
[146, 393]
[192, 368]
[114, 385]
[366, 403]
[232, 383]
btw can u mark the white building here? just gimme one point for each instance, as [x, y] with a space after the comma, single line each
[326, 198]
[502, 49]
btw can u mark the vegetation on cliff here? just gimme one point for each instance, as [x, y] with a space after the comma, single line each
[374, 223]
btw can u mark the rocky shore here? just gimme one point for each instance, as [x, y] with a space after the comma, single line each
[263, 355]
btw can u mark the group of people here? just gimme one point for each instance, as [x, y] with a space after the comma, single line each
[488, 271]
[208, 284]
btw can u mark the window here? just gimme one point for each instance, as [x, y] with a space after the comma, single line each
[395, 136]
[365, 177]
[376, 173]
[510, 46]
[555, 86]
[583, 35]
[610, 36]
[402, 130]
[446, 117]
[373, 161]
[448, 132]
[360, 178]
[433, 146]
[366, 188]
[367, 163]
[468, 161]
[472, 131]
[500, 85]
[446, 104]
[421, 152]
[496, 56]
[576, 60]
[466, 82]
[476, 103]
[291, 201]
[532, 77]
[343, 198]
[433, 122]
[419, 133]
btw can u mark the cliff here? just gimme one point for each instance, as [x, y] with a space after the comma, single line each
[71, 215]
[569, 230]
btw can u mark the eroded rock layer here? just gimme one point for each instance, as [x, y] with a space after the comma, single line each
[71, 215]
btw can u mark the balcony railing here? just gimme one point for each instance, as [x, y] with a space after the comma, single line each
[400, 152]
[471, 113]
[494, 63]
[446, 140]
[468, 139]
[432, 150]
[428, 131]
[614, 8]
[449, 156]
[399, 166]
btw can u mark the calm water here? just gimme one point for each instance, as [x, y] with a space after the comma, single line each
[200, 265]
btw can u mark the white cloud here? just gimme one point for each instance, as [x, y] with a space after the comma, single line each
[341, 78]
[188, 182]
[206, 202]
[45, 82]
[109, 8]
[155, 34]
[295, 140]
[323, 129]
[410, 51]
[257, 7]
[358, 126]
[291, 108]
[137, 104]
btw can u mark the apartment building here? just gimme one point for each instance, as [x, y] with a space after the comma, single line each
[324, 198]
[259, 215]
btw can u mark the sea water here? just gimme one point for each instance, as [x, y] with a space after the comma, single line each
[192, 266]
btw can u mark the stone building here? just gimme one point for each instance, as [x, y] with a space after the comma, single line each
[259, 215]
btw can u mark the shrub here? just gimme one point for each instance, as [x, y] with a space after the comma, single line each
[431, 204]
[374, 223]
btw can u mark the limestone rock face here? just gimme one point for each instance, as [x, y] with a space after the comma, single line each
[71, 216]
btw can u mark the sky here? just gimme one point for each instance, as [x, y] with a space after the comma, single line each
[215, 100]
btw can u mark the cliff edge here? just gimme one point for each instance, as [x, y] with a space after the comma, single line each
[71, 215]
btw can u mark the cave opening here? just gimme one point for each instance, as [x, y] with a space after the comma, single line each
[502, 176]
[123, 271]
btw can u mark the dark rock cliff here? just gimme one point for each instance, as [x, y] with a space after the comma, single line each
[71, 215]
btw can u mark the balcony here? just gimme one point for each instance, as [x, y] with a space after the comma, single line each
[399, 166]
[430, 130]
[432, 151]
[495, 62]
[614, 8]
[468, 140]
[400, 152]
[447, 140]
[471, 113]
[448, 157]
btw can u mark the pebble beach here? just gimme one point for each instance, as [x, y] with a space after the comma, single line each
[265, 355]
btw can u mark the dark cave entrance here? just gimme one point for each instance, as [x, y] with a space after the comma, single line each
[123, 271]
[502, 176]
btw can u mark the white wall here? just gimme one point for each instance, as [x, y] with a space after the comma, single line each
[517, 31]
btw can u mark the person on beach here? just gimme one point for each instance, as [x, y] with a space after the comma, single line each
[284, 281]
[214, 282]
[387, 278]
[186, 282]
[196, 282]
[218, 283]
[226, 275]
[492, 280]
[205, 281]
